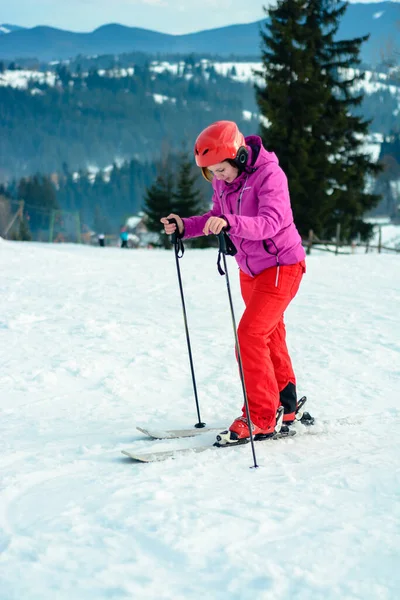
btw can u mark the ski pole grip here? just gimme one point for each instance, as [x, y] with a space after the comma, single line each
[226, 246]
[222, 242]
[174, 236]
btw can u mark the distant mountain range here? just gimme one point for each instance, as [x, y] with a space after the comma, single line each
[380, 20]
[5, 28]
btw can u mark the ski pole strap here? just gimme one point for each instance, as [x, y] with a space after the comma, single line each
[176, 240]
[226, 246]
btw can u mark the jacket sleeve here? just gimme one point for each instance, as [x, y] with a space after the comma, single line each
[194, 225]
[273, 205]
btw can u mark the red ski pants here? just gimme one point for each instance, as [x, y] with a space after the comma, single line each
[267, 367]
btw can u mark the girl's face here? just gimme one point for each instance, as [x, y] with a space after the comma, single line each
[224, 171]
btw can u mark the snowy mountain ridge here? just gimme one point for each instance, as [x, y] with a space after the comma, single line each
[49, 43]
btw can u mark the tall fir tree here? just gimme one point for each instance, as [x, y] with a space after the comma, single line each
[310, 79]
[188, 199]
[388, 182]
[101, 223]
[159, 200]
[40, 197]
[22, 233]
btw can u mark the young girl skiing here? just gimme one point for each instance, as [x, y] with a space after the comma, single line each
[251, 203]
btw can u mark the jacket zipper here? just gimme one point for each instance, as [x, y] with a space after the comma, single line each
[241, 196]
[239, 207]
[276, 257]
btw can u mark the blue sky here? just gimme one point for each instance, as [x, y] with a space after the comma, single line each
[169, 16]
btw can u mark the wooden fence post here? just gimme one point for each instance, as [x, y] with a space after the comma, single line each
[51, 225]
[380, 239]
[78, 227]
[21, 211]
[310, 241]
[19, 214]
[337, 238]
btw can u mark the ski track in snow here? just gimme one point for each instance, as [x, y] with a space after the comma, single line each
[92, 344]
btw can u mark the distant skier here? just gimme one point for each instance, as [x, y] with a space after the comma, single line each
[101, 239]
[251, 203]
[124, 237]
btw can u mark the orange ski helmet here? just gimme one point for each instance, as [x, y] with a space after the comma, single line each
[219, 141]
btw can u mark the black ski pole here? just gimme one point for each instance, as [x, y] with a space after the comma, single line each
[226, 246]
[179, 251]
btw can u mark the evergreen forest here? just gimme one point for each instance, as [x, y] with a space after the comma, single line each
[108, 137]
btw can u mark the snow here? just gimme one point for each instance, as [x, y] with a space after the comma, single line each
[245, 73]
[21, 78]
[390, 234]
[378, 14]
[133, 222]
[372, 149]
[161, 66]
[264, 121]
[245, 70]
[116, 72]
[373, 82]
[92, 344]
[247, 115]
[160, 98]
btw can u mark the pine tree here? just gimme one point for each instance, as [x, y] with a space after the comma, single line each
[24, 234]
[101, 224]
[188, 199]
[387, 183]
[309, 82]
[159, 200]
[40, 198]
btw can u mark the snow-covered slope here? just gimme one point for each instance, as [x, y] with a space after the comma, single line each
[92, 344]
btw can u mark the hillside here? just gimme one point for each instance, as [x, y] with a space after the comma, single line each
[97, 117]
[105, 115]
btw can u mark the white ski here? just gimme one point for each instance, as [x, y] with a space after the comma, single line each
[158, 456]
[163, 455]
[322, 426]
[171, 434]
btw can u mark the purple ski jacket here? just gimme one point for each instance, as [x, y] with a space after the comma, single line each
[256, 206]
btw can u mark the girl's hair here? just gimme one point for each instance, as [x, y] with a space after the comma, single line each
[205, 171]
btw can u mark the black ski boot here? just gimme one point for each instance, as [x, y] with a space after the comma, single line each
[301, 416]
